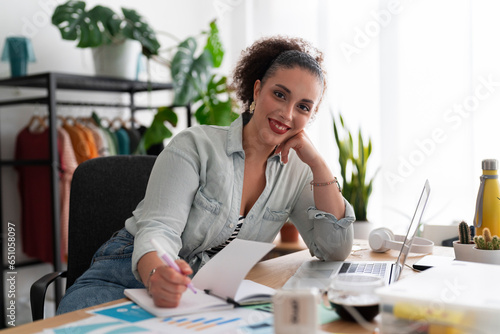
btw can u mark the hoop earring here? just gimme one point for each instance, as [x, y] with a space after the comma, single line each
[252, 107]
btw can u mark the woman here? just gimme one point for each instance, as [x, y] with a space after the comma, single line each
[212, 184]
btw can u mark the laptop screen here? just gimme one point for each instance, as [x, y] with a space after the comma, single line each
[410, 235]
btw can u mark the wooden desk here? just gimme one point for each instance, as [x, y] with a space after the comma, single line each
[284, 248]
[273, 273]
[276, 272]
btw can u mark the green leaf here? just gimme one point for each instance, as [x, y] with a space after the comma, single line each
[155, 134]
[158, 132]
[137, 28]
[214, 45]
[67, 17]
[216, 114]
[166, 114]
[351, 146]
[212, 110]
[106, 22]
[190, 75]
[93, 28]
[361, 149]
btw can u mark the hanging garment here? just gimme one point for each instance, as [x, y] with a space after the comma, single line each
[123, 141]
[101, 141]
[135, 139]
[79, 142]
[68, 166]
[89, 139]
[34, 184]
[112, 141]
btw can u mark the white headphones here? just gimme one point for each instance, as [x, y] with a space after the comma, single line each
[382, 239]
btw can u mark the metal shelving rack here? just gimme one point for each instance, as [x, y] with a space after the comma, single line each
[53, 82]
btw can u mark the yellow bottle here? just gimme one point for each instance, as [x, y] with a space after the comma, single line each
[488, 199]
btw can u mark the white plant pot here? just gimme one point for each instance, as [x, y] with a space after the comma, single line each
[463, 252]
[469, 252]
[362, 229]
[117, 60]
[486, 256]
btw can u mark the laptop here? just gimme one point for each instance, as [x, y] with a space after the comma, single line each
[319, 273]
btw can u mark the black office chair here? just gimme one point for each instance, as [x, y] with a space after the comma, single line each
[104, 192]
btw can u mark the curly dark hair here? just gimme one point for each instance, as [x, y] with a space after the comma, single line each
[265, 56]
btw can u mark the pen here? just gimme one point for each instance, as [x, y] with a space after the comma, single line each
[168, 261]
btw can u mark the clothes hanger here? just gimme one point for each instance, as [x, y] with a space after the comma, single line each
[119, 120]
[62, 119]
[104, 121]
[70, 120]
[37, 123]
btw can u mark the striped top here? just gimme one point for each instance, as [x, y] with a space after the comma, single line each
[214, 250]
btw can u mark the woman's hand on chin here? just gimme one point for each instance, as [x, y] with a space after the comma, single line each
[303, 146]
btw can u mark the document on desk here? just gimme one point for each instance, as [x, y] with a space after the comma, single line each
[127, 317]
[223, 278]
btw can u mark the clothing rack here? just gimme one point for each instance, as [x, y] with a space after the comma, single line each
[52, 82]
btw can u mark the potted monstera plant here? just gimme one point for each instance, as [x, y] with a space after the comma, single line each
[356, 187]
[116, 40]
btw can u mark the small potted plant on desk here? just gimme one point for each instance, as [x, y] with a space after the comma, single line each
[485, 248]
[464, 245]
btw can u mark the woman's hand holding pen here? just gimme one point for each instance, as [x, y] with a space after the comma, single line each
[166, 285]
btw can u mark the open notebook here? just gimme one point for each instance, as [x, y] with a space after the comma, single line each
[319, 274]
[219, 284]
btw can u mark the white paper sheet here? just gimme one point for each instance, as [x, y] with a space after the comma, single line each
[223, 274]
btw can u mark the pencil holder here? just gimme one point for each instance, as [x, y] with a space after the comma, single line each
[296, 311]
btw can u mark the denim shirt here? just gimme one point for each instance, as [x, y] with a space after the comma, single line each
[193, 200]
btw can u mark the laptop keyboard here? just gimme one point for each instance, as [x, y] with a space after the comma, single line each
[366, 268]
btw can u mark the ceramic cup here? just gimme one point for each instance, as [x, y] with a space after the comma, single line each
[353, 296]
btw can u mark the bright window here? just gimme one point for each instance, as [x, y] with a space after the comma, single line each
[421, 78]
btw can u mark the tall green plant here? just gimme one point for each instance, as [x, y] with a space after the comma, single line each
[195, 82]
[355, 187]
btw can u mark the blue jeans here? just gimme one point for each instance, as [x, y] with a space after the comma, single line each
[109, 274]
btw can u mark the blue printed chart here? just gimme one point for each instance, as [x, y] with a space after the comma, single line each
[129, 318]
[212, 322]
[200, 323]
